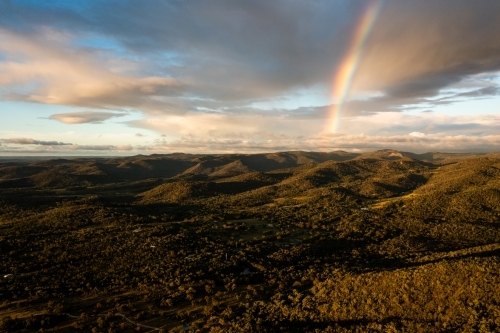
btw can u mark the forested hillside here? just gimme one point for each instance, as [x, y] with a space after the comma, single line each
[386, 241]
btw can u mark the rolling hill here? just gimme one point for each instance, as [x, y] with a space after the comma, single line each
[276, 242]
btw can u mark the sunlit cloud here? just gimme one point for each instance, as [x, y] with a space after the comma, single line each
[101, 147]
[409, 142]
[84, 117]
[43, 68]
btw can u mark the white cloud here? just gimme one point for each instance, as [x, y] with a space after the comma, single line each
[436, 142]
[202, 133]
[232, 133]
[233, 126]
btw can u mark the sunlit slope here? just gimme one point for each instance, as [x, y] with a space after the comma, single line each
[361, 179]
[469, 189]
[364, 178]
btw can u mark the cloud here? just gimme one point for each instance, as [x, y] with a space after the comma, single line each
[417, 134]
[482, 92]
[240, 126]
[256, 51]
[139, 135]
[56, 146]
[417, 49]
[102, 147]
[26, 141]
[268, 50]
[251, 50]
[199, 133]
[85, 117]
[124, 147]
[202, 133]
[44, 67]
[197, 78]
[327, 142]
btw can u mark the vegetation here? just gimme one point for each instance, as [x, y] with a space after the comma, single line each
[286, 242]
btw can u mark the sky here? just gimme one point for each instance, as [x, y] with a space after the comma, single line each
[128, 77]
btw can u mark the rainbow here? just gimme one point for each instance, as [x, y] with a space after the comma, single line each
[349, 65]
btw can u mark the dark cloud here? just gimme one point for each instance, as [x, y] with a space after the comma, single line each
[27, 141]
[226, 54]
[247, 48]
[420, 47]
[482, 92]
[225, 50]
